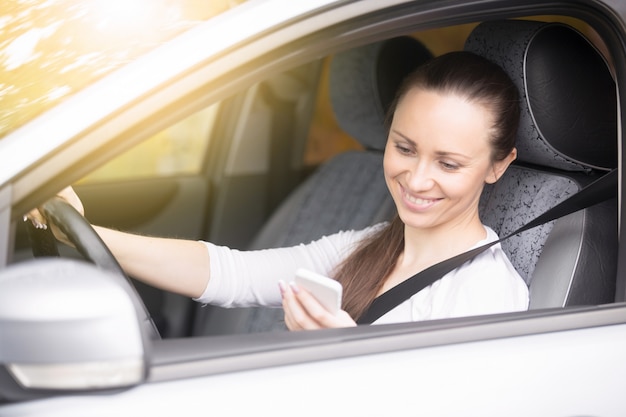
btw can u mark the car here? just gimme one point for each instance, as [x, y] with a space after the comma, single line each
[218, 127]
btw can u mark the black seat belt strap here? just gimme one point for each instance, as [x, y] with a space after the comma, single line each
[598, 191]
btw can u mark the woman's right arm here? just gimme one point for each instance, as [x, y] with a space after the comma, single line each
[176, 265]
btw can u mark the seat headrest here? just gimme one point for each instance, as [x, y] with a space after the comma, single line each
[363, 84]
[568, 97]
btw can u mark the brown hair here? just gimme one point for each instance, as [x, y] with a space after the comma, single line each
[461, 73]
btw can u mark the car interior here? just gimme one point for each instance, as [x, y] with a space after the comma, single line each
[255, 189]
[569, 262]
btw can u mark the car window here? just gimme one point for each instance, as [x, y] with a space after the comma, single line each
[50, 49]
[178, 150]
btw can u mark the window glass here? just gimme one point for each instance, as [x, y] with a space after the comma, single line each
[177, 150]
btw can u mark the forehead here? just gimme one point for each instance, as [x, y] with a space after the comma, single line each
[443, 122]
[455, 109]
[450, 94]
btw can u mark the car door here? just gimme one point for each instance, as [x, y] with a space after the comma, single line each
[545, 362]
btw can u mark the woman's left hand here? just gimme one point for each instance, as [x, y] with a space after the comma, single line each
[304, 312]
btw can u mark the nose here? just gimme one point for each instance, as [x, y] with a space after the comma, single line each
[420, 177]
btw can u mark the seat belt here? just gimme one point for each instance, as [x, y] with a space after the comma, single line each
[598, 191]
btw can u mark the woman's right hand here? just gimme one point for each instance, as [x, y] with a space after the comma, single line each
[39, 221]
[304, 312]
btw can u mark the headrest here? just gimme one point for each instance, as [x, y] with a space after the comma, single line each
[363, 84]
[568, 97]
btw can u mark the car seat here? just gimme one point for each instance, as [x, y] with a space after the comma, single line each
[349, 190]
[567, 138]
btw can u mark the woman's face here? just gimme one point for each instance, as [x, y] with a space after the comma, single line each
[438, 158]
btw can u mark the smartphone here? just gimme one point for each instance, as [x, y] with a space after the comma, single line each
[326, 290]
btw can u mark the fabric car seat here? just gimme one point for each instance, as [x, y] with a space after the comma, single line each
[567, 138]
[349, 190]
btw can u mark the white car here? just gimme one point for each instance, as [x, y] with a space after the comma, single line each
[237, 144]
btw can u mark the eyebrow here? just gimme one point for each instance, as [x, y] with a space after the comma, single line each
[440, 153]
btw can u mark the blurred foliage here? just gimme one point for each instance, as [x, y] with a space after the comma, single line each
[52, 48]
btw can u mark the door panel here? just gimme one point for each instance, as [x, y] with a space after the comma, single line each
[174, 207]
[171, 207]
[158, 188]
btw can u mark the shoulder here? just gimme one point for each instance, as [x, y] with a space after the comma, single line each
[488, 284]
[490, 271]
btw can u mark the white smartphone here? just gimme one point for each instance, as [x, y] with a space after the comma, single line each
[326, 290]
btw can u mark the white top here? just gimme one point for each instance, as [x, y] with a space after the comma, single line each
[487, 284]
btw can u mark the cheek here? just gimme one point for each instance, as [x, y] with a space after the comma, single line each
[468, 188]
[393, 162]
[388, 163]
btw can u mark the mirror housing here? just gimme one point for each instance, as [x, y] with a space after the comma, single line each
[66, 325]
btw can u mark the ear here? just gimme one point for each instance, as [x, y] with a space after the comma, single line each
[498, 167]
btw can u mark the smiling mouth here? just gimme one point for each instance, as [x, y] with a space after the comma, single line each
[417, 201]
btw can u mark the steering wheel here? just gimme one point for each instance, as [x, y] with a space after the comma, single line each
[83, 236]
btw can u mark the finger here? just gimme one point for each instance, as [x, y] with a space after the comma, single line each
[282, 286]
[315, 310]
[36, 218]
[322, 317]
[296, 317]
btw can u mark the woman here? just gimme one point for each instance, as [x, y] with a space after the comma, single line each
[452, 130]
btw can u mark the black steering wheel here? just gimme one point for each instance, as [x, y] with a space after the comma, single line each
[83, 236]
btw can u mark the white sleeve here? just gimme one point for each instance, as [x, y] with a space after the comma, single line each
[250, 278]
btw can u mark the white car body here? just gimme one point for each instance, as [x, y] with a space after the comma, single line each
[562, 362]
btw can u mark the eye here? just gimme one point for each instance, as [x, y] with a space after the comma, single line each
[449, 166]
[403, 149]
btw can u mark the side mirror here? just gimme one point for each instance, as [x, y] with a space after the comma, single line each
[67, 326]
